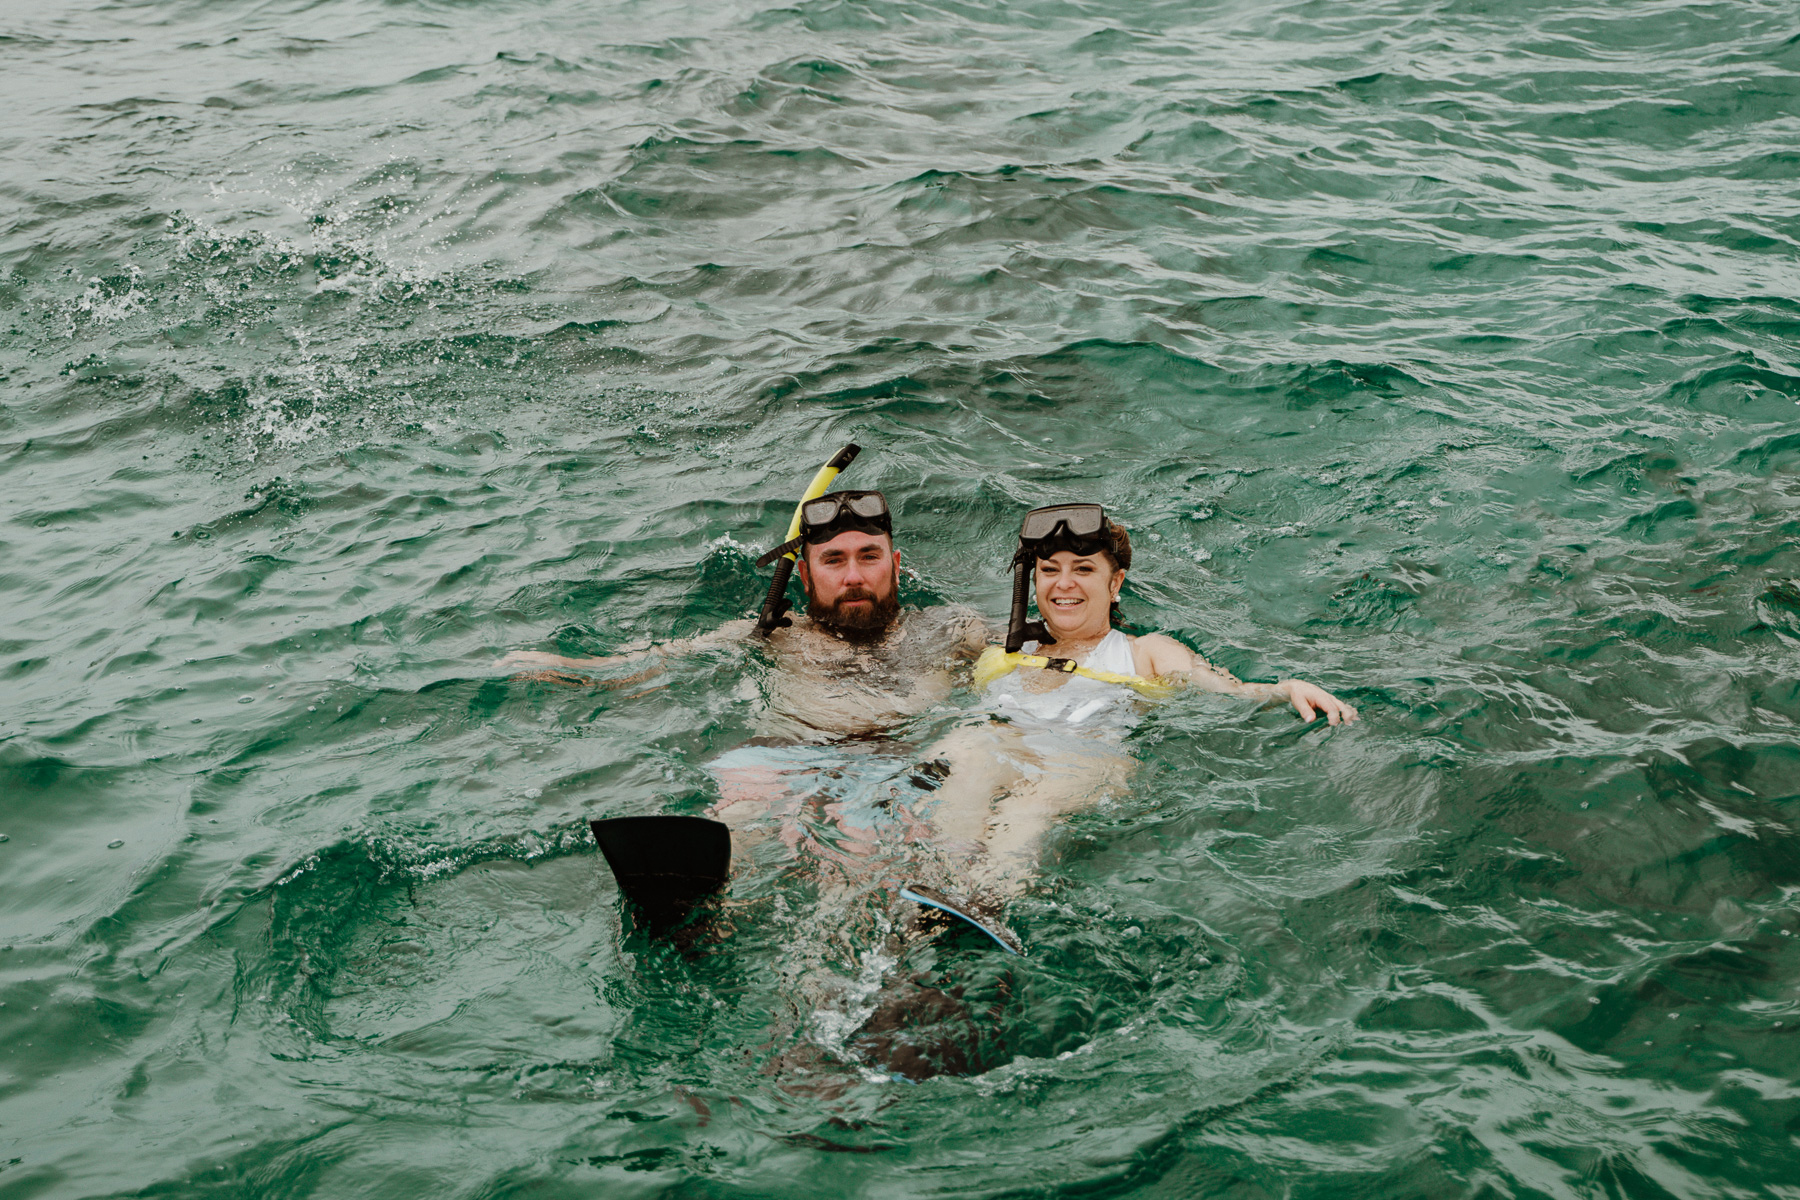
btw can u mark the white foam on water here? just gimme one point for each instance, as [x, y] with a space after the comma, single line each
[102, 304]
[833, 1024]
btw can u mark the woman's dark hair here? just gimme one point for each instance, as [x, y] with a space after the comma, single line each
[1119, 553]
[1120, 557]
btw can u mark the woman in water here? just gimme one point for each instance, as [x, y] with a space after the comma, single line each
[1077, 577]
[1051, 744]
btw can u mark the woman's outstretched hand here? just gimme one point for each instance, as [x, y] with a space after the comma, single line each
[1310, 700]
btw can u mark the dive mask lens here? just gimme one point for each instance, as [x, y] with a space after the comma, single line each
[867, 504]
[1079, 520]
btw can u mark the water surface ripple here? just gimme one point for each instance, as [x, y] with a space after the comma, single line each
[1442, 352]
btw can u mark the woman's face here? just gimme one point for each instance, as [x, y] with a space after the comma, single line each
[1075, 593]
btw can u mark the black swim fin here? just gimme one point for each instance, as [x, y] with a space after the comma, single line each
[665, 865]
[918, 893]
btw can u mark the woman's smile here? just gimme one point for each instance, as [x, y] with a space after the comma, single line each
[1075, 594]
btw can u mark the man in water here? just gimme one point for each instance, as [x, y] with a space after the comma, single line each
[819, 771]
[856, 664]
[854, 667]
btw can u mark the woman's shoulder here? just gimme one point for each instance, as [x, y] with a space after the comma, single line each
[1155, 641]
[1158, 654]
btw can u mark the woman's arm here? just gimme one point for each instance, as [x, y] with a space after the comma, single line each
[1157, 654]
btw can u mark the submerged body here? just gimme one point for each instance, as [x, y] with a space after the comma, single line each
[1066, 701]
[829, 702]
[826, 688]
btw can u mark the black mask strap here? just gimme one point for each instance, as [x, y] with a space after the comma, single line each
[777, 552]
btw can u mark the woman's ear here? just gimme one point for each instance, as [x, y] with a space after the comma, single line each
[1118, 581]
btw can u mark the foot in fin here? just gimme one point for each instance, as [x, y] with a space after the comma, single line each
[665, 865]
[956, 906]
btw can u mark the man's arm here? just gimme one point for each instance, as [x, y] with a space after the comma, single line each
[652, 657]
[960, 629]
[976, 635]
[1157, 654]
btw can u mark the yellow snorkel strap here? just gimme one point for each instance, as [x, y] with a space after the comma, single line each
[775, 604]
[996, 662]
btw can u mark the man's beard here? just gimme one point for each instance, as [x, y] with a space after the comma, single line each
[863, 626]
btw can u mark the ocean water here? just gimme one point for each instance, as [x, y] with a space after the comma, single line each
[1441, 351]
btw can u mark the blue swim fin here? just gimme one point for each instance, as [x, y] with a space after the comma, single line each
[918, 893]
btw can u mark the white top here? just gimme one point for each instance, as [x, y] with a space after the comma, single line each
[1083, 703]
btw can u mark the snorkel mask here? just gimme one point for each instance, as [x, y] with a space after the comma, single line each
[1080, 528]
[829, 516]
[826, 517]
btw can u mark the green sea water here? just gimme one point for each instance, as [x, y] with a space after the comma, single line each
[1441, 351]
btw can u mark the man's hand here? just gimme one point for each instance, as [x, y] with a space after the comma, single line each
[552, 675]
[1310, 700]
[538, 658]
[651, 657]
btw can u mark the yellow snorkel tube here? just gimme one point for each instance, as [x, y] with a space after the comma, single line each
[775, 604]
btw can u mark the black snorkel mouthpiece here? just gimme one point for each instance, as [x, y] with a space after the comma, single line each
[775, 603]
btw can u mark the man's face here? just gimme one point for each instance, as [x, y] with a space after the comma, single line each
[853, 584]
